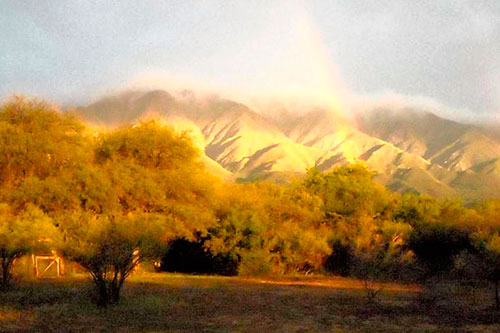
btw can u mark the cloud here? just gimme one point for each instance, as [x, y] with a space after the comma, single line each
[399, 103]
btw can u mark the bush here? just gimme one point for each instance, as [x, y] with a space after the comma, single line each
[186, 256]
[341, 259]
[436, 246]
[254, 264]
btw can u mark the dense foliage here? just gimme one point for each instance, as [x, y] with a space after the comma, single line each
[109, 200]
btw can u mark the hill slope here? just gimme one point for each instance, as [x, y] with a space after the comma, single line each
[411, 150]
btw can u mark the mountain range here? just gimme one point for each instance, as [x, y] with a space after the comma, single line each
[410, 149]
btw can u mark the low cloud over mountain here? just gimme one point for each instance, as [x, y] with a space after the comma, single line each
[410, 149]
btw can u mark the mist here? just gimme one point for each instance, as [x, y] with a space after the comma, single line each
[340, 56]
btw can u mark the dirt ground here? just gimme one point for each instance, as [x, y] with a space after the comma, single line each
[160, 302]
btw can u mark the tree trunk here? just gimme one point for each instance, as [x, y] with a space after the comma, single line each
[497, 300]
[102, 292]
[115, 293]
[6, 273]
[114, 288]
[108, 291]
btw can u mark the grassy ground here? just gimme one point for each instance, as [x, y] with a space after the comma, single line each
[172, 303]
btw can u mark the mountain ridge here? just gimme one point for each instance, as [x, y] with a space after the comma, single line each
[411, 150]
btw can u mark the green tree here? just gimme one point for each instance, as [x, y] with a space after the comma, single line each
[36, 140]
[22, 233]
[269, 229]
[110, 248]
[347, 192]
[38, 145]
[144, 189]
[440, 231]
[355, 208]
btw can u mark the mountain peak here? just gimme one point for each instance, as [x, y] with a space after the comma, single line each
[411, 149]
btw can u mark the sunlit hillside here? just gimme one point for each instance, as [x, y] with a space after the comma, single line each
[411, 150]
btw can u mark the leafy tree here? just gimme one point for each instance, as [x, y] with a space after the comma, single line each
[27, 231]
[440, 231]
[37, 146]
[153, 190]
[416, 209]
[36, 140]
[42, 152]
[355, 208]
[269, 229]
[347, 192]
[489, 212]
[240, 231]
[109, 248]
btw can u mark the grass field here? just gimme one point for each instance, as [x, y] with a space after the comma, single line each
[154, 302]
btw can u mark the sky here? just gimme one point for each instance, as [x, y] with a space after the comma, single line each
[444, 52]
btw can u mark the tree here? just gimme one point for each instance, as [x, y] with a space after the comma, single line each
[151, 189]
[269, 229]
[355, 208]
[37, 145]
[416, 209]
[347, 192]
[36, 140]
[110, 248]
[21, 233]
[440, 231]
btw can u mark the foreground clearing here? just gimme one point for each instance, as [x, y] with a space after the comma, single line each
[175, 303]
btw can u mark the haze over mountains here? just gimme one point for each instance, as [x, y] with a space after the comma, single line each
[410, 149]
